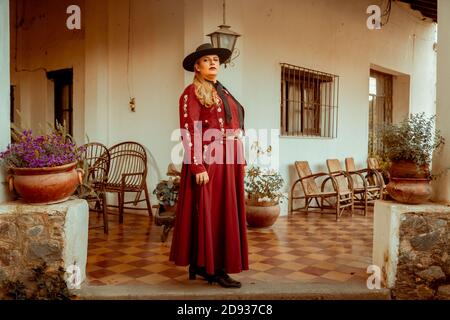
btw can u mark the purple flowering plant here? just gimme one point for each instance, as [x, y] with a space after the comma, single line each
[49, 150]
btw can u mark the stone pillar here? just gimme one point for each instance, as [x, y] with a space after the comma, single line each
[55, 234]
[4, 90]
[410, 246]
[441, 188]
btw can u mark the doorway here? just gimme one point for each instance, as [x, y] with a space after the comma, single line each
[380, 108]
[63, 97]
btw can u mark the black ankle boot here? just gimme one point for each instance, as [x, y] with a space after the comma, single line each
[200, 271]
[224, 280]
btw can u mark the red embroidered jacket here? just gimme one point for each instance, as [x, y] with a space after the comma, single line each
[195, 120]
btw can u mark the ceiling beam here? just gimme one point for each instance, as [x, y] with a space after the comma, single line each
[428, 8]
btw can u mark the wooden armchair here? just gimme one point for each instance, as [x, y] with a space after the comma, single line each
[95, 162]
[128, 173]
[373, 164]
[367, 185]
[336, 200]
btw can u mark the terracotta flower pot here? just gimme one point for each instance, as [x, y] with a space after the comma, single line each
[261, 214]
[168, 208]
[408, 183]
[46, 185]
[409, 170]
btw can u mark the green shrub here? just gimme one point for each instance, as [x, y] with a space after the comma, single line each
[414, 139]
[42, 285]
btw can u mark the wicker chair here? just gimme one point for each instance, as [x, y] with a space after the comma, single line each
[128, 173]
[343, 180]
[336, 200]
[373, 164]
[367, 185]
[95, 162]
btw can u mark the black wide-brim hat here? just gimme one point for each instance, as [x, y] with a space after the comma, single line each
[205, 50]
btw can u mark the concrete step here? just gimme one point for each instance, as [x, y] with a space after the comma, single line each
[200, 290]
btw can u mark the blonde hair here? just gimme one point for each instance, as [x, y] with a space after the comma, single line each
[205, 91]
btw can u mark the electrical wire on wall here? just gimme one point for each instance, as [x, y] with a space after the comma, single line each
[130, 84]
[386, 13]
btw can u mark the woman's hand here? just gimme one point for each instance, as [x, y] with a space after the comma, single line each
[202, 178]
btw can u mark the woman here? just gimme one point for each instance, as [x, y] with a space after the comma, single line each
[210, 229]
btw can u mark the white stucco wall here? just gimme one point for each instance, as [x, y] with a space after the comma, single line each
[330, 36]
[40, 44]
[147, 67]
[154, 77]
[325, 35]
[96, 99]
[4, 89]
[76, 234]
[441, 188]
[386, 221]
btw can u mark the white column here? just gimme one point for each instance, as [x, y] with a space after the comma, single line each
[96, 101]
[441, 188]
[4, 89]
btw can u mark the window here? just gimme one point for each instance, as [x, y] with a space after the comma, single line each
[63, 80]
[380, 108]
[309, 102]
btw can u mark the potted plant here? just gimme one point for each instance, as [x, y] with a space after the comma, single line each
[263, 187]
[409, 146]
[43, 169]
[166, 192]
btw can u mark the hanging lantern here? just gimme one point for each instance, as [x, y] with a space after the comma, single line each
[224, 37]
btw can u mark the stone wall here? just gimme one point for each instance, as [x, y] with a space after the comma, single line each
[31, 235]
[423, 269]
[411, 246]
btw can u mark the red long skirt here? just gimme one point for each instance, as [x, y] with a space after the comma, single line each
[210, 227]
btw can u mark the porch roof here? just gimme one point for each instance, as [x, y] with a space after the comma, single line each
[428, 8]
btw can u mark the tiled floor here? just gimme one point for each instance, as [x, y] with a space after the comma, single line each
[297, 248]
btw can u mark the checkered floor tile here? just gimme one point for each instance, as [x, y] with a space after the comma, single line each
[297, 248]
